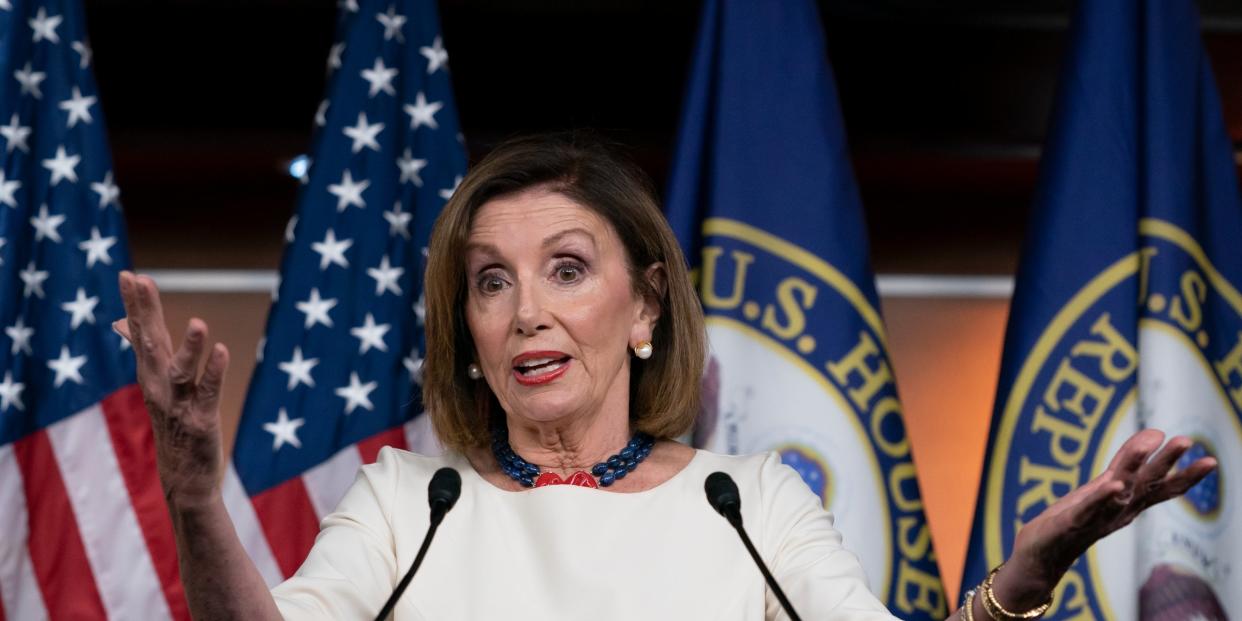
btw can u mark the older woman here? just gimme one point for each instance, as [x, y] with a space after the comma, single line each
[564, 348]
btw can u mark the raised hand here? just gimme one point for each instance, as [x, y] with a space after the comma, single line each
[183, 406]
[1140, 475]
[220, 580]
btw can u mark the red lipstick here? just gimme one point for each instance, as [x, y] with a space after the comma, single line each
[533, 368]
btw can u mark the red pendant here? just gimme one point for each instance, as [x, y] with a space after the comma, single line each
[582, 479]
[549, 478]
[579, 478]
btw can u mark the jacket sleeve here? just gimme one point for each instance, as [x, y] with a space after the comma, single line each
[821, 578]
[352, 567]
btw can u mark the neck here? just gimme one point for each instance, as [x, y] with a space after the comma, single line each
[566, 448]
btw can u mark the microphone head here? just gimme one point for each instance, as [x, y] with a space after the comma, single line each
[444, 489]
[722, 494]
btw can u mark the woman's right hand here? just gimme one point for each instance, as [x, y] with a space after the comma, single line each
[220, 580]
[184, 407]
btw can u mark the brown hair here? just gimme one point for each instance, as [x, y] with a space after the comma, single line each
[664, 390]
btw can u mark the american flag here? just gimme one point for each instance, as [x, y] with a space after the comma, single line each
[84, 532]
[339, 370]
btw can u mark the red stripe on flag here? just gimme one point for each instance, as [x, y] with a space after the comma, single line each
[370, 448]
[132, 441]
[289, 522]
[56, 551]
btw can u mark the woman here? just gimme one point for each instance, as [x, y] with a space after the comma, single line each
[564, 348]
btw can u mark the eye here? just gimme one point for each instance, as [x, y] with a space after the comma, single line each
[568, 272]
[490, 283]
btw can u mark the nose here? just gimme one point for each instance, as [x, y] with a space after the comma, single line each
[532, 315]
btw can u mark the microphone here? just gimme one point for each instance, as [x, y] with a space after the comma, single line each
[442, 494]
[723, 496]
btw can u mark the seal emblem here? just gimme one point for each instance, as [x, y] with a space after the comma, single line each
[799, 366]
[1103, 368]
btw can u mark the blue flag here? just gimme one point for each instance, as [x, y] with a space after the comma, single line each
[1127, 315]
[763, 201]
[342, 358]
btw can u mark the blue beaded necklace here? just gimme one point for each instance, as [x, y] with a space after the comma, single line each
[608, 472]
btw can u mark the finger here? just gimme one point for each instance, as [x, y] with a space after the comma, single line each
[1134, 453]
[150, 371]
[125, 281]
[1181, 481]
[184, 369]
[1079, 496]
[1103, 503]
[207, 399]
[121, 327]
[129, 297]
[151, 315]
[1152, 474]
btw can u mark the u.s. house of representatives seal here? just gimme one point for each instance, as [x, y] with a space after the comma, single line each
[799, 366]
[1090, 382]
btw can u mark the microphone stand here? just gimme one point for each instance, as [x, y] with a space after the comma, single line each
[723, 496]
[442, 494]
[767, 575]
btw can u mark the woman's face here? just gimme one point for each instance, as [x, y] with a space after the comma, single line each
[551, 307]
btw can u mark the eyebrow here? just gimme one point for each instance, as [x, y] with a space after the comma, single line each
[484, 248]
[553, 240]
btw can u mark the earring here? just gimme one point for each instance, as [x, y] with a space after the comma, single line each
[474, 371]
[643, 349]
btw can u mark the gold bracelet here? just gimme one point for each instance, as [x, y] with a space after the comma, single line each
[998, 612]
[968, 609]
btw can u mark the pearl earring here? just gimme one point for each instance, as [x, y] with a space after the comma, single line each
[474, 371]
[643, 350]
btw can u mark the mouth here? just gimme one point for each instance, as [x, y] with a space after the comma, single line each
[540, 367]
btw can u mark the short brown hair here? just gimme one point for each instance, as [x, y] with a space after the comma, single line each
[664, 390]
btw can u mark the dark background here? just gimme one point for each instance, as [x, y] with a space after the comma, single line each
[945, 106]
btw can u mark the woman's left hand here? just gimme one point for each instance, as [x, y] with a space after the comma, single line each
[1141, 475]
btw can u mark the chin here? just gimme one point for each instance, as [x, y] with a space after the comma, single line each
[548, 407]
